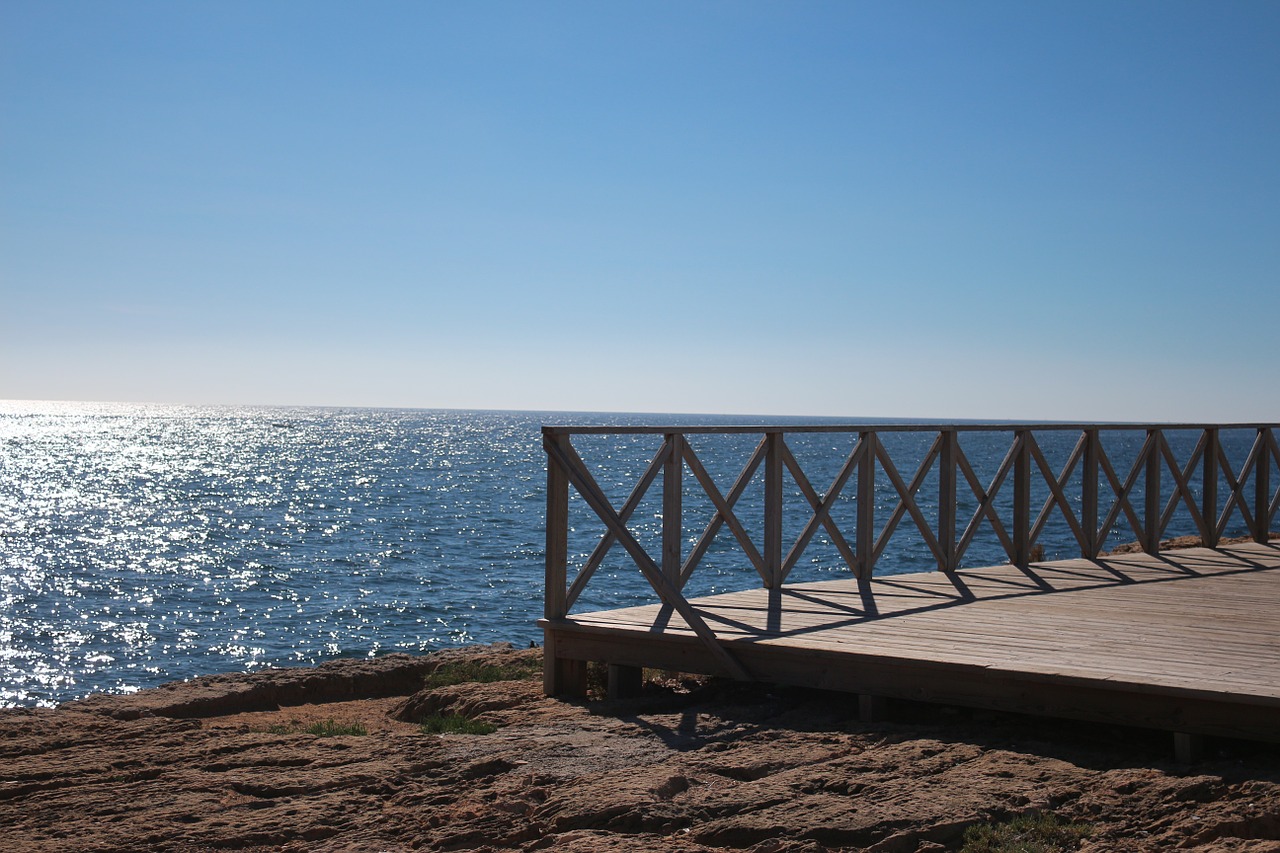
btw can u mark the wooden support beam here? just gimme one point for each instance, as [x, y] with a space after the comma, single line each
[1187, 748]
[625, 682]
[561, 676]
[872, 709]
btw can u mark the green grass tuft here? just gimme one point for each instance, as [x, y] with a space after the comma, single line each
[1028, 833]
[466, 671]
[328, 728]
[455, 724]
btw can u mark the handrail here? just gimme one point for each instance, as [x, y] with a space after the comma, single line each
[1023, 465]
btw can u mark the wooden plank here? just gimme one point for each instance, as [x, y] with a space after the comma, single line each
[739, 429]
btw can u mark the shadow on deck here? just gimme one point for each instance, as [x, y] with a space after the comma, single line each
[1186, 641]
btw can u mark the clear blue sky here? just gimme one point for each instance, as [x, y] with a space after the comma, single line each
[900, 209]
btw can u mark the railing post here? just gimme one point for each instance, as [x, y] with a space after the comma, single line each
[1022, 500]
[672, 509]
[773, 509]
[555, 603]
[1089, 495]
[866, 534]
[1262, 488]
[1209, 487]
[559, 676]
[947, 500]
[1151, 501]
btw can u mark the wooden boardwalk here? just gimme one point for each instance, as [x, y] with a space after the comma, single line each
[1187, 641]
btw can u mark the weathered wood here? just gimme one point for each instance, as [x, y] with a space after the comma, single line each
[1183, 642]
[864, 540]
[724, 512]
[821, 509]
[624, 682]
[986, 503]
[773, 510]
[1056, 496]
[872, 709]
[1187, 748]
[947, 465]
[907, 499]
[1182, 487]
[561, 675]
[1089, 497]
[673, 509]
[1122, 492]
[1236, 496]
[566, 457]
[1264, 509]
[656, 465]
[1151, 529]
[1209, 488]
[555, 603]
[1022, 500]
[1248, 492]
[755, 429]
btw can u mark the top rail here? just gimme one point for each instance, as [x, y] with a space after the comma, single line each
[766, 429]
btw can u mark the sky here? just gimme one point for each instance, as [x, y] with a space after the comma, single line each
[977, 210]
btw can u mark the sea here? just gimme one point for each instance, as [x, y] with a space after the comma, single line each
[141, 544]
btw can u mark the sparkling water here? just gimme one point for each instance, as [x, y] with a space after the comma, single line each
[141, 544]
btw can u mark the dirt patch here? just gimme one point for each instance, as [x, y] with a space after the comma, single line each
[689, 766]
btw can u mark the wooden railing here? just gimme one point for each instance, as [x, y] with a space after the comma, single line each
[1204, 483]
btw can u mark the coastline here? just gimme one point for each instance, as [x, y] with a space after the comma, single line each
[225, 762]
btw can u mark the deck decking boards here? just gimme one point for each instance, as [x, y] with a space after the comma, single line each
[1185, 640]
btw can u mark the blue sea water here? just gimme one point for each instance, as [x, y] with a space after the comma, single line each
[141, 544]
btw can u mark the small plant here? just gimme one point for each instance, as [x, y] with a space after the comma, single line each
[455, 724]
[328, 728]
[1028, 833]
[466, 671]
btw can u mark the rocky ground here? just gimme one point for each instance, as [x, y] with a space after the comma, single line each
[225, 763]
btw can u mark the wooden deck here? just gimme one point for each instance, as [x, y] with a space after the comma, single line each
[1186, 641]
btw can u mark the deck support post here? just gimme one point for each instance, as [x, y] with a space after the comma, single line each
[1262, 488]
[865, 543]
[1151, 501]
[1209, 488]
[561, 676]
[556, 603]
[947, 501]
[773, 509]
[1022, 501]
[558, 676]
[872, 709]
[1187, 748]
[625, 682]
